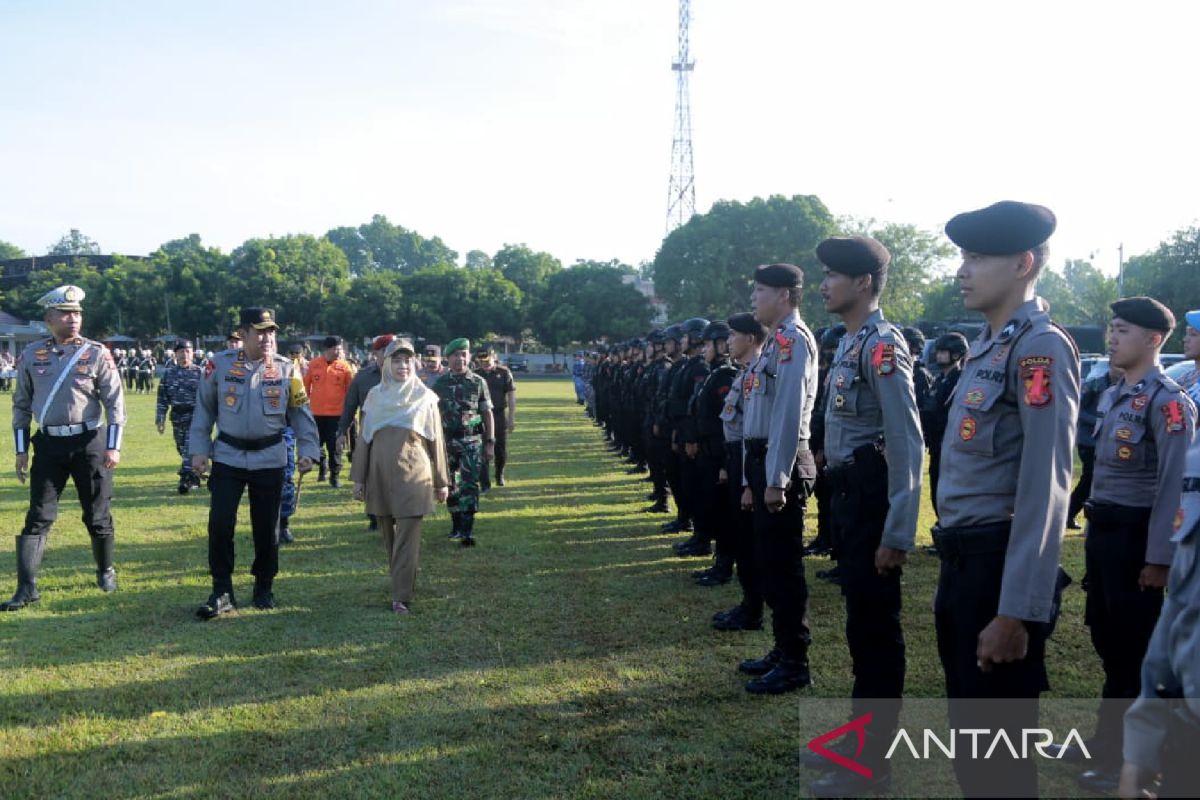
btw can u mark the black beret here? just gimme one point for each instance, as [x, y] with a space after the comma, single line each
[1145, 312]
[485, 347]
[1002, 229]
[853, 255]
[746, 323]
[781, 276]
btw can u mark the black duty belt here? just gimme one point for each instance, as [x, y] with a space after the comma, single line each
[1191, 484]
[1112, 514]
[757, 447]
[250, 445]
[971, 540]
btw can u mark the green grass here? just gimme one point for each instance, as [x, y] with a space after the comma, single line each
[568, 655]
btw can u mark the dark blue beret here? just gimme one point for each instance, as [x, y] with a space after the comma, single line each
[853, 255]
[1002, 229]
[780, 276]
[1145, 312]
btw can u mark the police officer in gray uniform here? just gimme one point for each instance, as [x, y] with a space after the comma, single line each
[1005, 483]
[1163, 724]
[251, 395]
[1146, 423]
[871, 409]
[62, 383]
[779, 472]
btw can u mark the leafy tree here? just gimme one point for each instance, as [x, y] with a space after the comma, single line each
[1079, 294]
[74, 244]
[706, 266]
[374, 304]
[1170, 274]
[380, 245]
[295, 274]
[477, 259]
[22, 301]
[529, 270]
[444, 302]
[8, 251]
[197, 283]
[590, 301]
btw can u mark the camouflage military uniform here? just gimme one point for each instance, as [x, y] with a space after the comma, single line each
[177, 394]
[463, 399]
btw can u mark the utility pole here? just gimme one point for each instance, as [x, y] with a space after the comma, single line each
[681, 190]
[1120, 270]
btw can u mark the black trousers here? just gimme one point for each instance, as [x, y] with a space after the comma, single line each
[1121, 616]
[935, 473]
[266, 490]
[683, 511]
[712, 505]
[500, 449]
[1083, 489]
[779, 550]
[873, 632]
[968, 598]
[331, 455]
[81, 458]
[742, 525]
[658, 451]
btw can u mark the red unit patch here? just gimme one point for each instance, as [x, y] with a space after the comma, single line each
[1035, 373]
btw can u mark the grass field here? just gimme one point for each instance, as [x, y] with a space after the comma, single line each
[568, 655]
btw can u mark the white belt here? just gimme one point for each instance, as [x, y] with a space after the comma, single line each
[70, 430]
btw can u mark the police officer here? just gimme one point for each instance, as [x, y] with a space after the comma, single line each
[704, 443]
[922, 377]
[503, 392]
[779, 472]
[746, 338]
[870, 409]
[1085, 438]
[1163, 724]
[177, 395]
[1002, 496]
[62, 384]
[251, 395]
[656, 447]
[949, 350]
[1146, 423]
[466, 409]
[665, 426]
[684, 383]
[364, 381]
[827, 342]
[431, 364]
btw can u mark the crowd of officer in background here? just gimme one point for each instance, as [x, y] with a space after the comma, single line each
[736, 422]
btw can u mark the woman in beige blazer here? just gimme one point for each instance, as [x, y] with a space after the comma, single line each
[401, 471]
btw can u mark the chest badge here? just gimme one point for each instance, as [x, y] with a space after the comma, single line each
[1124, 434]
[839, 400]
[1125, 452]
[841, 380]
[1139, 402]
[974, 398]
[967, 429]
[231, 400]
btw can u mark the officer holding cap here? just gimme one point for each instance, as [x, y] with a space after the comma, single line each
[1004, 488]
[251, 395]
[62, 384]
[177, 396]
[871, 409]
[1146, 424]
[779, 391]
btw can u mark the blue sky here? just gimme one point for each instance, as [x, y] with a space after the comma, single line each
[549, 122]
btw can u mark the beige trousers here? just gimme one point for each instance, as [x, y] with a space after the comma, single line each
[402, 542]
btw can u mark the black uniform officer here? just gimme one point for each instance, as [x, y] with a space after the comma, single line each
[652, 378]
[686, 382]
[779, 472]
[63, 382]
[827, 341]
[503, 390]
[666, 429]
[704, 443]
[949, 350]
[251, 395]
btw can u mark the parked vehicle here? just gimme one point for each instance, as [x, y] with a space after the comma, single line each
[517, 362]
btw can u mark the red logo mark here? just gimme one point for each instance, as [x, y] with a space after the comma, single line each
[859, 726]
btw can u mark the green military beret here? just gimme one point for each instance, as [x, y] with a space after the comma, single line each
[461, 343]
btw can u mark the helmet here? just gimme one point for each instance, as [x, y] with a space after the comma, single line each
[636, 344]
[694, 327]
[715, 330]
[831, 337]
[656, 336]
[915, 339]
[673, 333]
[953, 343]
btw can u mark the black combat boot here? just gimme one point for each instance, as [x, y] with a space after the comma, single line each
[285, 531]
[29, 558]
[264, 598]
[787, 675]
[456, 532]
[719, 574]
[106, 576]
[468, 535]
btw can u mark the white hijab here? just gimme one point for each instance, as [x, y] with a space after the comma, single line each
[393, 404]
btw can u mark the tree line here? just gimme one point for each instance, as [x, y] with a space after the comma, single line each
[358, 281]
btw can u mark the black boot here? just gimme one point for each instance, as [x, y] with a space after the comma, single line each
[468, 537]
[285, 531]
[264, 598]
[29, 558]
[720, 573]
[106, 576]
[788, 675]
[659, 507]
[373, 523]
[456, 533]
[321, 472]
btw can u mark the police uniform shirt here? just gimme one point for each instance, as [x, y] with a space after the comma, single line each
[731, 412]
[251, 400]
[1142, 438]
[782, 388]
[1173, 656]
[500, 382]
[1007, 453]
[871, 395]
[177, 389]
[93, 383]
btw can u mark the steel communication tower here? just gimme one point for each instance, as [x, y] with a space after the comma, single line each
[681, 191]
